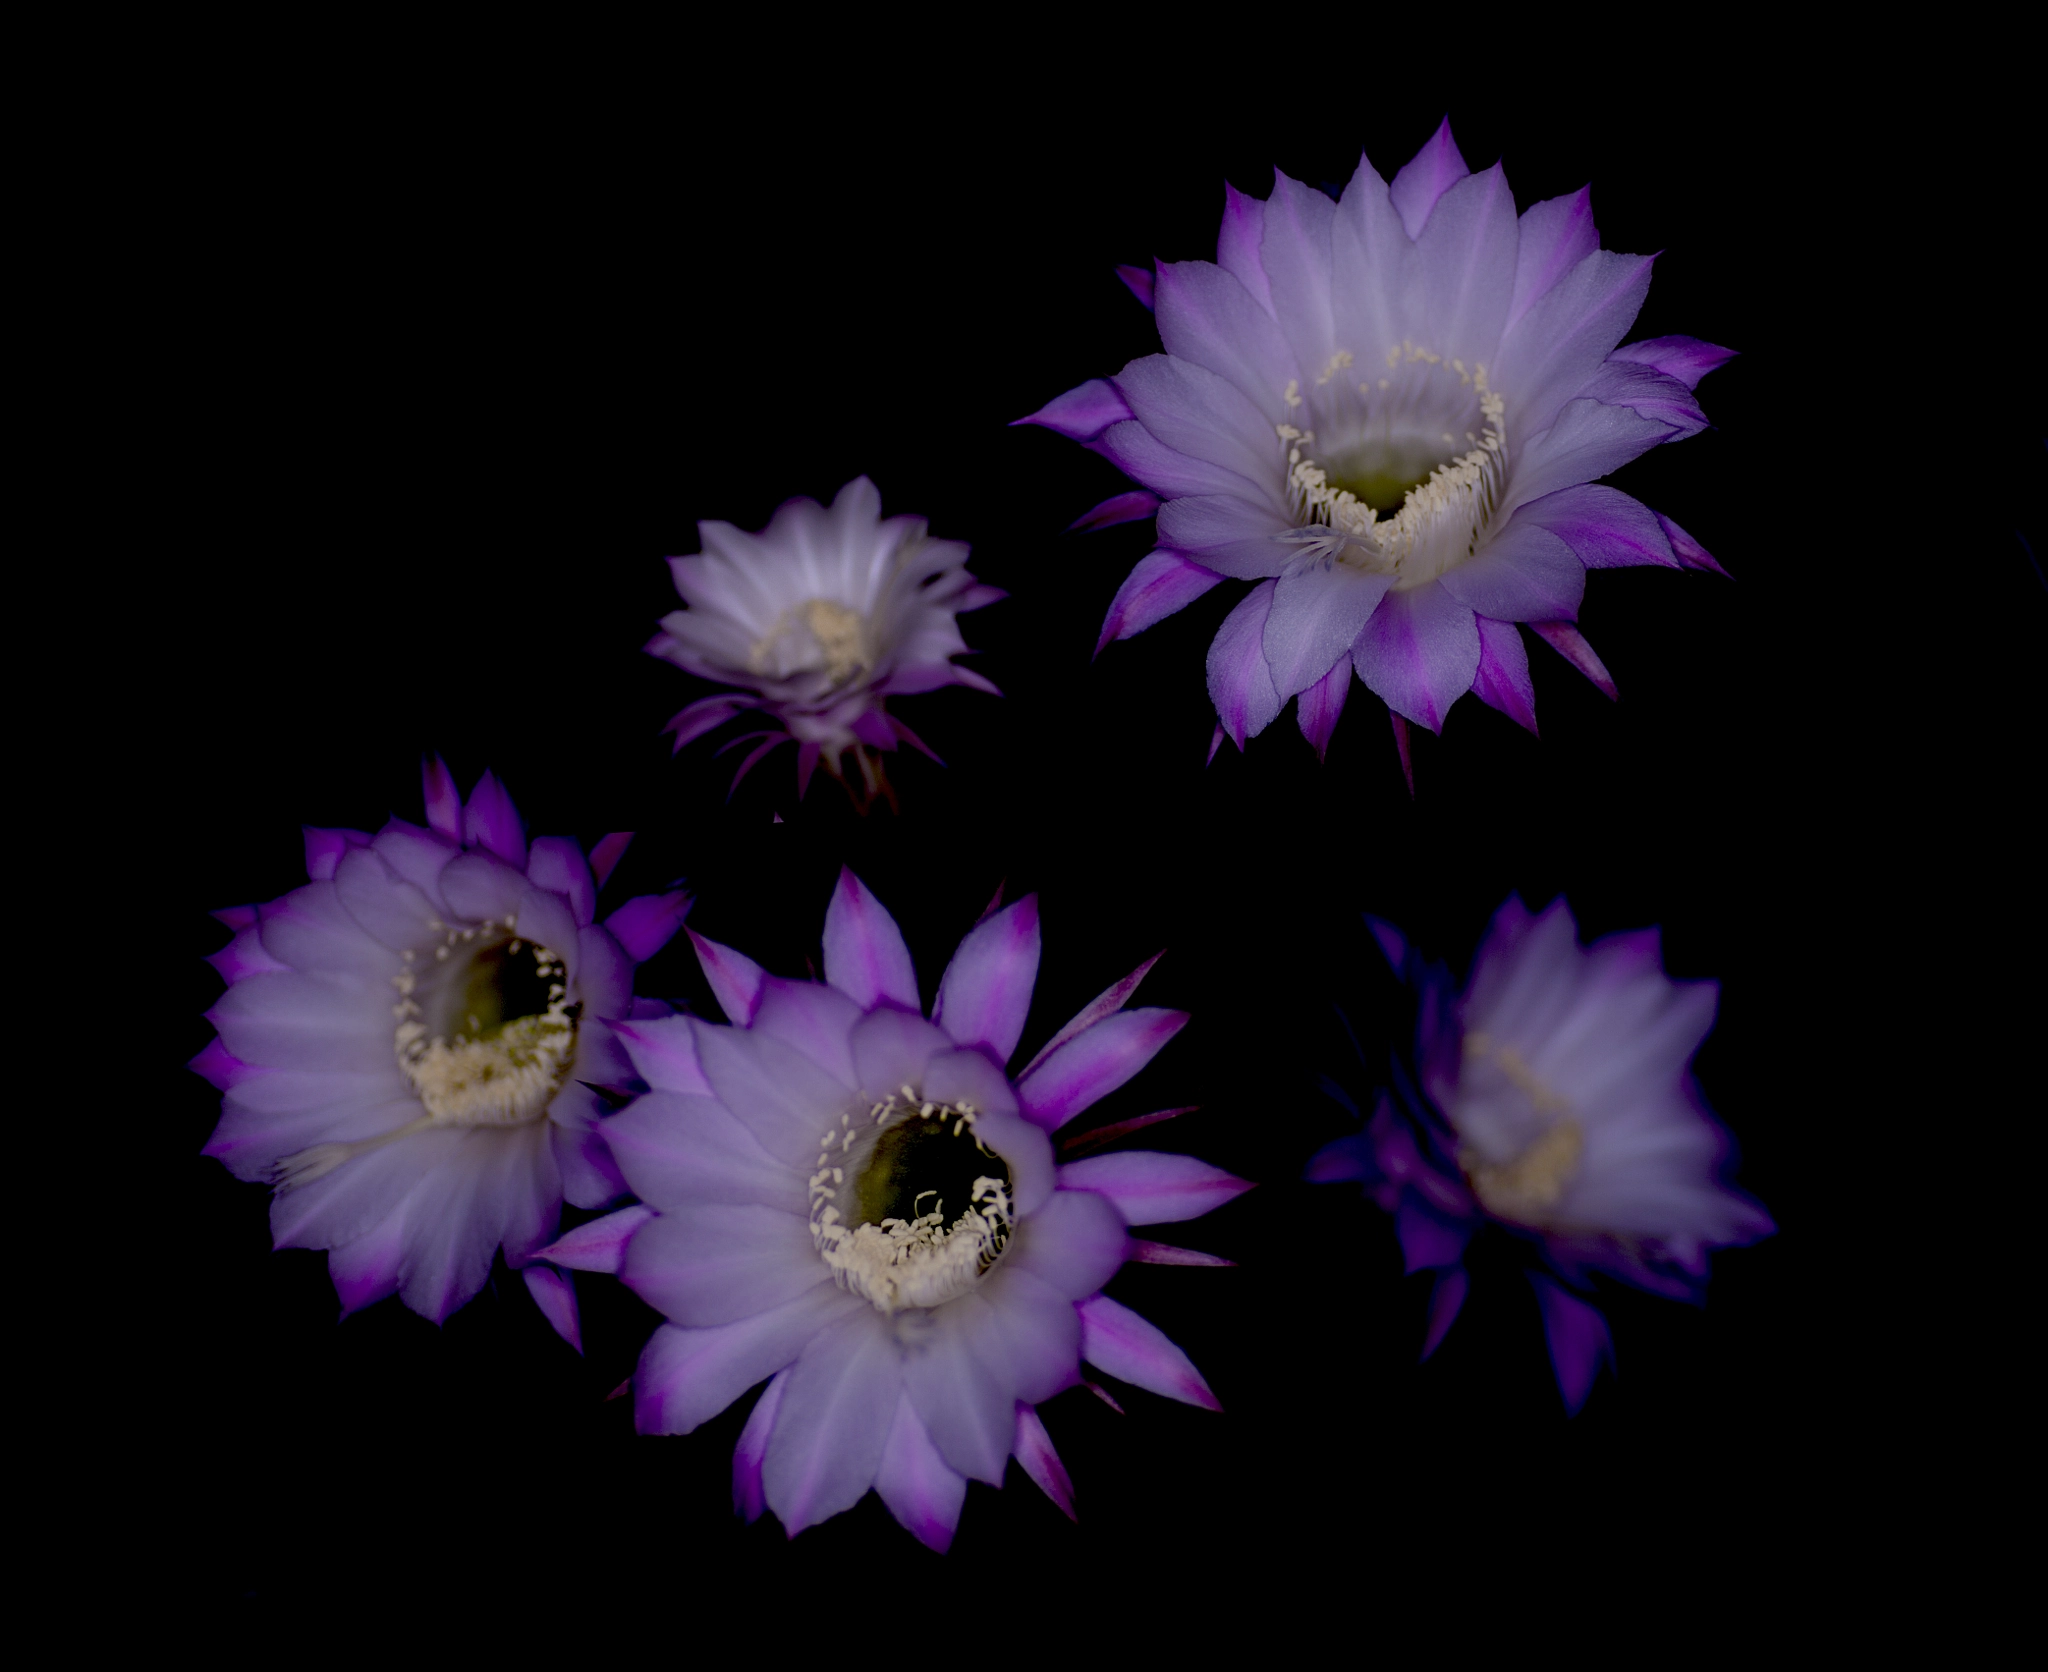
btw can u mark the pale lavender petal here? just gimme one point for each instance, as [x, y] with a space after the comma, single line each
[1322, 705]
[891, 1049]
[718, 1264]
[1419, 652]
[818, 1020]
[1589, 439]
[1132, 1349]
[1317, 614]
[548, 919]
[1204, 415]
[477, 886]
[1105, 1003]
[913, 1480]
[837, 1408]
[444, 802]
[749, 1497]
[1229, 534]
[1024, 1147]
[735, 979]
[1468, 255]
[865, 957]
[1503, 680]
[1689, 552]
[603, 971]
[1649, 394]
[1425, 178]
[1571, 644]
[1376, 292]
[554, 1293]
[605, 857]
[417, 855]
[1113, 511]
[677, 1151]
[1578, 1338]
[986, 990]
[1294, 251]
[645, 925]
[1081, 414]
[1554, 237]
[1237, 244]
[1548, 355]
[687, 1376]
[968, 1076]
[1208, 320]
[663, 1051]
[1445, 1299]
[1030, 1332]
[1150, 1188]
[601, 1244]
[324, 849]
[368, 1269]
[590, 1177]
[490, 821]
[1685, 358]
[1525, 573]
[1034, 1452]
[964, 1398]
[1093, 1064]
[1604, 527]
[1140, 454]
[393, 912]
[244, 956]
[313, 1022]
[786, 1100]
[1073, 1244]
[1240, 682]
[557, 864]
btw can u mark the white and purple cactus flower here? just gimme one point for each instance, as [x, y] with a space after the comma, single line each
[408, 1043]
[822, 617]
[863, 1208]
[1388, 412]
[1556, 1099]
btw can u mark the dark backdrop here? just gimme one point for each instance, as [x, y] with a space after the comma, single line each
[449, 364]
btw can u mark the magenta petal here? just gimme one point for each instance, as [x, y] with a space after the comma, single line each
[1162, 583]
[865, 957]
[1240, 682]
[1689, 552]
[837, 1410]
[1685, 358]
[643, 926]
[1073, 1244]
[1034, 1453]
[1503, 679]
[554, 1293]
[1444, 1301]
[368, 1269]
[1118, 508]
[1526, 573]
[1139, 281]
[707, 714]
[1318, 611]
[324, 849]
[599, 1245]
[986, 990]
[748, 1498]
[1554, 237]
[1578, 1337]
[818, 1020]
[1081, 414]
[1132, 1349]
[236, 918]
[1429, 1239]
[1105, 1003]
[1237, 244]
[220, 1070]
[1165, 1254]
[1150, 1188]
[1431, 172]
[1093, 1064]
[491, 822]
[1322, 705]
[687, 1376]
[557, 864]
[444, 804]
[1571, 644]
[1419, 652]
[245, 956]
[590, 1177]
[914, 1481]
[735, 979]
[605, 857]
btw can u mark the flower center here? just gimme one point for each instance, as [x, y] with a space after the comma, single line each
[485, 1031]
[816, 636]
[909, 1207]
[1379, 483]
[1529, 1185]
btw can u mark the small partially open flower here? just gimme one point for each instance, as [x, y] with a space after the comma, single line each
[1554, 1097]
[1386, 412]
[408, 1046]
[863, 1206]
[822, 616]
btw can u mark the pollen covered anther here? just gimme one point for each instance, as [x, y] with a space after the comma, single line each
[908, 1207]
[487, 1035]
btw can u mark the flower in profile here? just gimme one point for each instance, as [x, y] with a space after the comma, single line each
[1554, 1097]
[408, 1045]
[1388, 412]
[863, 1207]
[822, 616]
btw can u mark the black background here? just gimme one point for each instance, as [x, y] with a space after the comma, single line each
[445, 359]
